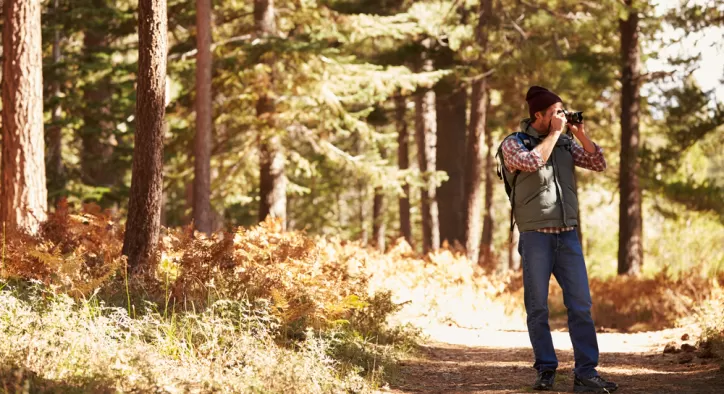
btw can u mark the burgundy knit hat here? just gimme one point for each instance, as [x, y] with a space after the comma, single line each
[539, 99]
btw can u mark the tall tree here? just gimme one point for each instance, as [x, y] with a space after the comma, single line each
[144, 205]
[426, 140]
[630, 248]
[54, 161]
[450, 105]
[202, 139]
[272, 179]
[403, 162]
[379, 226]
[478, 133]
[23, 196]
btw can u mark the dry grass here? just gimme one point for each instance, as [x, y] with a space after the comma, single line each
[256, 310]
[629, 304]
[261, 310]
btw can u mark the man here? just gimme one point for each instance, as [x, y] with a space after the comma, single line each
[538, 164]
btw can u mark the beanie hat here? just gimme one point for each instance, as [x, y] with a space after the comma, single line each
[539, 99]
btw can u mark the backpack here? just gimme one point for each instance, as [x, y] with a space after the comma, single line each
[527, 141]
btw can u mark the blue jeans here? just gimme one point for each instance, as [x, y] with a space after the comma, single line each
[561, 255]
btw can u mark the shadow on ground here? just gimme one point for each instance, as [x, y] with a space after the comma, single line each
[15, 379]
[443, 368]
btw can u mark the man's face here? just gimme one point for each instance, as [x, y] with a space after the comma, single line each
[548, 115]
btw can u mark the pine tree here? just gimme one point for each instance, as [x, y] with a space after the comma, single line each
[403, 161]
[54, 166]
[426, 139]
[144, 206]
[479, 250]
[630, 252]
[23, 193]
[272, 179]
[204, 119]
[450, 105]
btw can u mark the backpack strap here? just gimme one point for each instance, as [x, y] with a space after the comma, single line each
[526, 140]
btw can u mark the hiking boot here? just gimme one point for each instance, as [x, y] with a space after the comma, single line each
[545, 380]
[595, 384]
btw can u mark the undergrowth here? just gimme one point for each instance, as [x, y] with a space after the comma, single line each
[710, 317]
[263, 310]
[257, 310]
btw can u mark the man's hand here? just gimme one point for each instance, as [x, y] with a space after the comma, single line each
[545, 148]
[579, 132]
[577, 129]
[558, 122]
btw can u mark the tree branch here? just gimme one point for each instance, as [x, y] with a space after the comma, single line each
[192, 52]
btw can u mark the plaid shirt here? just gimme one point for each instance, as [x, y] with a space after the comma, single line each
[517, 157]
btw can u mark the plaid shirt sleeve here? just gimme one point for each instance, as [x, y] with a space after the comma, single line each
[517, 157]
[590, 161]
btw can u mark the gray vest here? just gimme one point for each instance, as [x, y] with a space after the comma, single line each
[547, 197]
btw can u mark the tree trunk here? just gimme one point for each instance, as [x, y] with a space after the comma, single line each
[23, 196]
[202, 139]
[144, 206]
[451, 102]
[630, 249]
[362, 212]
[486, 241]
[479, 248]
[273, 181]
[473, 171]
[378, 220]
[362, 209]
[97, 132]
[403, 161]
[426, 140]
[54, 162]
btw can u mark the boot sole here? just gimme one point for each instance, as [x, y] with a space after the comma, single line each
[584, 389]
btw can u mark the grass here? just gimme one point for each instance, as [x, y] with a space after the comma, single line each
[261, 310]
[709, 315]
[50, 342]
[258, 310]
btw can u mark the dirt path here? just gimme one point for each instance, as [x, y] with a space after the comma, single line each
[475, 361]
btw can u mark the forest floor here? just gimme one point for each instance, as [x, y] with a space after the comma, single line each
[457, 360]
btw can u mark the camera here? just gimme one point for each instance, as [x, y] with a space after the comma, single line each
[573, 117]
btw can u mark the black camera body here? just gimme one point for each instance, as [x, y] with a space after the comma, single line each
[573, 117]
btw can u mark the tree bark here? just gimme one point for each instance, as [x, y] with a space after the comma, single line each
[54, 162]
[144, 206]
[473, 173]
[479, 248]
[23, 196]
[451, 102]
[204, 121]
[273, 181]
[486, 241]
[426, 140]
[403, 162]
[630, 242]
